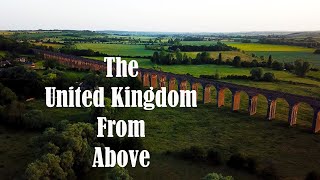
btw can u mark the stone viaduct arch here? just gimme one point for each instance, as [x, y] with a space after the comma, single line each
[157, 79]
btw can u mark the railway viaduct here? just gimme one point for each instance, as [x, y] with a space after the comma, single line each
[156, 79]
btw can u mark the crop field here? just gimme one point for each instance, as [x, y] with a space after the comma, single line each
[56, 46]
[269, 47]
[117, 49]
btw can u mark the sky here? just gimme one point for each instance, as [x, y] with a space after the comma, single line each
[161, 15]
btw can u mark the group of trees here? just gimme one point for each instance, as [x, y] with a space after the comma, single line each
[170, 58]
[192, 48]
[257, 74]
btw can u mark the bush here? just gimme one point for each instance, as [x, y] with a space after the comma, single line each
[215, 176]
[277, 66]
[119, 173]
[256, 73]
[214, 157]
[193, 153]
[132, 143]
[237, 161]
[269, 173]
[269, 77]
[301, 68]
[317, 51]
[34, 119]
[313, 175]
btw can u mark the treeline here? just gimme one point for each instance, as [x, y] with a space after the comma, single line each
[299, 67]
[13, 46]
[192, 48]
[311, 43]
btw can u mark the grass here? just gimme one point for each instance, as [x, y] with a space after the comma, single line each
[283, 56]
[58, 114]
[293, 151]
[16, 151]
[2, 53]
[117, 49]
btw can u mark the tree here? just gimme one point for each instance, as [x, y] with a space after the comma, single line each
[270, 61]
[236, 61]
[301, 68]
[6, 95]
[317, 51]
[277, 65]
[256, 73]
[119, 173]
[219, 60]
[155, 57]
[270, 77]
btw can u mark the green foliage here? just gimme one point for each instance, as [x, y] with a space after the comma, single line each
[215, 176]
[214, 157]
[34, 119]
[119, 173]
[67, 151]
[240, 161]
[277, 66]
[301, 68]
[269, 173]
[236, 61]
[256, 73]
[7, 96]
[50, 63]
[193, 153]
[269, 77]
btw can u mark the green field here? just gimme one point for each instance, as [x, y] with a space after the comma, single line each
[290, 56]
[173, 129]
[16, 151]
[2, 53]
[117, 49]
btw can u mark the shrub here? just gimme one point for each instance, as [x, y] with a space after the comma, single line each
[277, 65]
[193, 153]
[214, 157]
[34, 119]
[256, 73]
[313, 175]
[236, 61]
[269, 173]
[301, 68]
[237, 161]
[131, 143]
[317, 51]
[269, 77]
[119, 173]
[215, 176]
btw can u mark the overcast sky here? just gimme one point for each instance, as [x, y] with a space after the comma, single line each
[162, 15]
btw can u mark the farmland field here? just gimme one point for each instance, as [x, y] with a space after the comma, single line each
[117, 49]
[290, 56]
